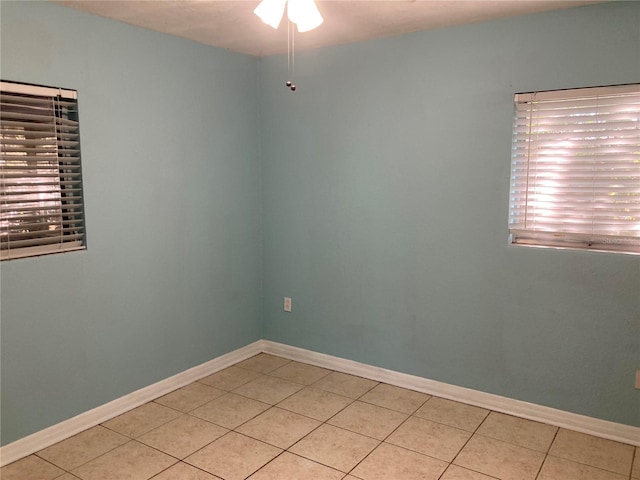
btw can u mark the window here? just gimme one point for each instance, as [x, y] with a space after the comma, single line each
[41, 206]
[575, 169]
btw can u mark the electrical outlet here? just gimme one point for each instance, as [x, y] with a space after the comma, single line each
[287, 304]
[638, 379]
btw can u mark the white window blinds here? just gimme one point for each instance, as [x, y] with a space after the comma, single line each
[575, 169]
[41, 206]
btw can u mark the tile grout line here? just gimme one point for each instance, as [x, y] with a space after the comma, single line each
[546, 454]
[473, 433]
[634, 457]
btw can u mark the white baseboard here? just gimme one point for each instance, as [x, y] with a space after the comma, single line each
[60, 431]
[56, 433]
[572, 421]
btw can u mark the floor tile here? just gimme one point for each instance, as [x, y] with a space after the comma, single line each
[454, 414]
[430, 438]
[141, 420]
[189, 397]
[335, 447]
[314, 403]
[390, 462]
[32, 468]
[278, 427]
[500, 459]
[454, 472]
[268, 389]
[182, 471]
[81, 448]
[234, 456]
[555, 468]
[263, 363]
[182, 436]
[395, 398]
[230, 410]
[373, 431]
[593, 451]
[525, 433]
[344, 384]
[292, 467]
[369, 420]
[230, 378]
[129, 461]
[300, 373]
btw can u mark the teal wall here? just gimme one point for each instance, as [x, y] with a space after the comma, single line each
[171, 278]
[385, 197]
[383, 183]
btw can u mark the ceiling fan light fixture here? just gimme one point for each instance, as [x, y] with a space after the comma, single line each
[305, 14]
[271, 12]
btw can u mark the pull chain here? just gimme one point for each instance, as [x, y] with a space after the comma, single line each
[291, 51]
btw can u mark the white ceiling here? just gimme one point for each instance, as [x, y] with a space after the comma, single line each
[231, 24]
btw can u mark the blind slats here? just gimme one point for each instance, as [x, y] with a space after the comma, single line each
[40, 166]
[562, 133]
[16, 131]
[41, 197]
[19, 203]
[43, 117]
[50, 175]
[42, 191]
[575, 169]
[37, 142]
[42, 128]
[37, 231]
[43, 205]
[48, 240]
[21, 100]
[40, 182]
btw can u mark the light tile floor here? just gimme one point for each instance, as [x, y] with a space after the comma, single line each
[268, 418]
